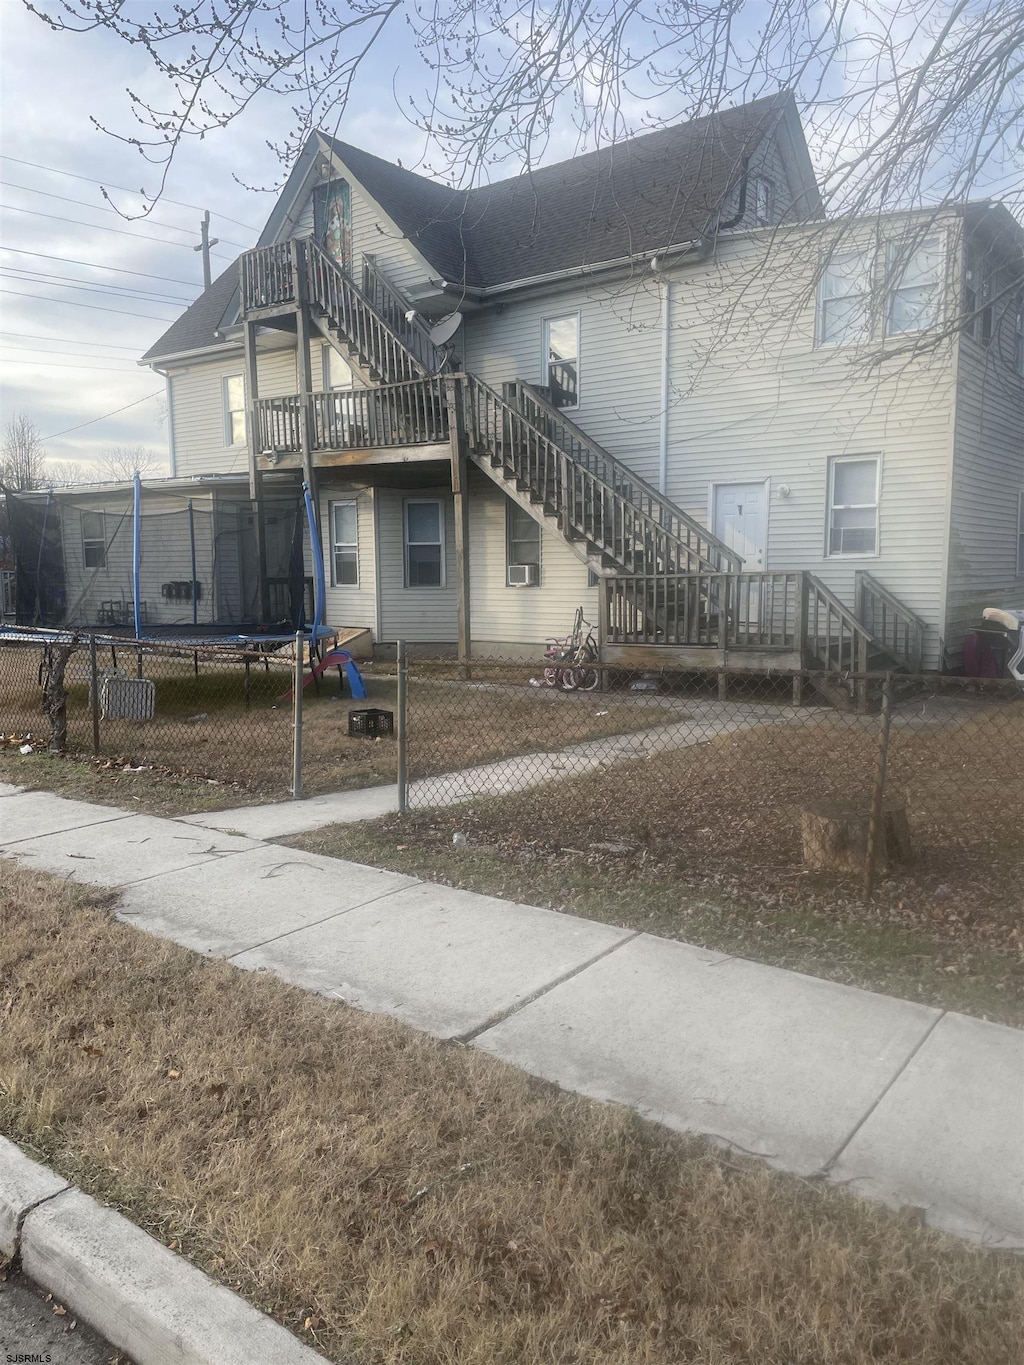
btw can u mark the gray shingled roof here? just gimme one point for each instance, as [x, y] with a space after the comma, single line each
[634, 197]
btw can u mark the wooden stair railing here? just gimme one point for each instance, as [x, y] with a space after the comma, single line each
[692, 538]
[890, 621]
[342, 304]
[394, 308]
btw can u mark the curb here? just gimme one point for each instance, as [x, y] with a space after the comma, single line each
[141, 1297]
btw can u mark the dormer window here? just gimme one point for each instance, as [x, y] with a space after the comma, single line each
[761, 198]
[332, 221]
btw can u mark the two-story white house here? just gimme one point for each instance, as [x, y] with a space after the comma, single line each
[653, 380]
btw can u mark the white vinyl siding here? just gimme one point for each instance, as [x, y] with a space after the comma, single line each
[1020, 535]
[853, 506]
[349, 604]
[197, 416]
[344, 527]
[419, 615]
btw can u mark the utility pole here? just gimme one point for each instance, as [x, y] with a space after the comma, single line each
[204, 247]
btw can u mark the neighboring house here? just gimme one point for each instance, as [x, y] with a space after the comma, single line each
[729, 428]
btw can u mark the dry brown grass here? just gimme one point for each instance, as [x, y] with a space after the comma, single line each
[710, 852]
[416, 1202]
[205, 750]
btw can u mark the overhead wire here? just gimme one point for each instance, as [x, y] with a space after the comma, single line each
[159, 393]
[105, 208]
[99, 227]
[38, 336]
[73, 303]
[124, 188]
[96, 265]
[69, 282]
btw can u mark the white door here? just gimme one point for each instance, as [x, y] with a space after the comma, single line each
[741, 521]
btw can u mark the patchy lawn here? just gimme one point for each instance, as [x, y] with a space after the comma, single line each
[205, 750]
[396, 1200]
[703, 844]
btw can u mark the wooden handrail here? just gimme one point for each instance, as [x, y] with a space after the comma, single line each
[394, 308]
[413, 413]
[267, 277]
[691, 535]
[898, 628]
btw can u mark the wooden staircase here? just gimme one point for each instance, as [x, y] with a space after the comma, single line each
[667, 583]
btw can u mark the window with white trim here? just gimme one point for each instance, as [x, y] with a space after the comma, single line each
[424, 543]
[852, 506]
[94, 540]
[522, 545]
[234, 410]
[762, 200]
[1020, 534]
[562, 359]
[913, 285]
[844, 298]
[337, 371]
[345, 544]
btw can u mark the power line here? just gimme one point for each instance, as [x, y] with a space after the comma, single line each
[37, 336]
[95, 265]
[17, 272]
[106, 185]
[71, 303]
[93, 420]
[63, 365]
[99, 227]
[39, 350]
[106, 208]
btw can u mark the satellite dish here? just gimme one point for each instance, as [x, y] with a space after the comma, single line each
[443, 331]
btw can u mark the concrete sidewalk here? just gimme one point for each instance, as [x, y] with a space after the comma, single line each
[901, 1101]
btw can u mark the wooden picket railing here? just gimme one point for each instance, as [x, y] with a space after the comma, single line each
[414, 413]
[889, 621]
[394, 309]
[268, 277]
[724, 610]
[686, 543]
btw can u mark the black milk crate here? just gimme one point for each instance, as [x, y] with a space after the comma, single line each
[371, 722]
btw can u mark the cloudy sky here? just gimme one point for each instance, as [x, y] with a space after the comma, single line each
[84, 293]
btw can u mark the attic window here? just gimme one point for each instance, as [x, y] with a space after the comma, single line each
[762, 200]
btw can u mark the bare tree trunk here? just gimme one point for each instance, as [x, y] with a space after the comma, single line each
[55, 695]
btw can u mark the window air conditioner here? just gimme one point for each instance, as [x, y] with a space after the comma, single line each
[522, 575]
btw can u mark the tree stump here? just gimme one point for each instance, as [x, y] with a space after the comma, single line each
[835, 837]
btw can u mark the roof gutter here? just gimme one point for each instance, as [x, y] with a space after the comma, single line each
[684, 253]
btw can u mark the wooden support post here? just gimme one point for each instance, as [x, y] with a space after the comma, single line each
[252, 433]
[459, 449]
[803, 598]
[303, 334]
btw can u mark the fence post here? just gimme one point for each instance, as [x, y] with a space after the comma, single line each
[876, 819]
[94, 694]
[297, 718]
[402, 708]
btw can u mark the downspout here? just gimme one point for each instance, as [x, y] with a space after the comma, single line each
[136, 552]
[665, 285]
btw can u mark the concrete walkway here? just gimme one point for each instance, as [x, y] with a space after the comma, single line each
[897, 1100]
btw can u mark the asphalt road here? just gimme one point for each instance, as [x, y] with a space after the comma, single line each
[31, 1333]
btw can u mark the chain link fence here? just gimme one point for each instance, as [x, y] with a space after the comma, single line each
[201, 714]
[725, 777]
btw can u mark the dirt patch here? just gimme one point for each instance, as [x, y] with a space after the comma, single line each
[392, 1199]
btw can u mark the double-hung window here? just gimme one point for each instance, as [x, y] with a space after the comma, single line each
[234, 410]
[424, 543]
[94, 540]
[853, 505]
[844, 298]
[522, 542]
[562, 359]
[913, 285]
[345, 544]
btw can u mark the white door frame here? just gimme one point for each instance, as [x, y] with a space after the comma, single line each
[715, 484]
